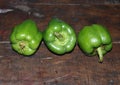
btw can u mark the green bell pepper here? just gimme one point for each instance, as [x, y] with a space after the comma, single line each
[59, 37]
[95, 39]
[25, 38]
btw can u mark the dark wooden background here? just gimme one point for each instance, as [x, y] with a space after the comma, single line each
[46, 68]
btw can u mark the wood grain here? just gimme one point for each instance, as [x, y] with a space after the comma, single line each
[46, 68]
[77, 16]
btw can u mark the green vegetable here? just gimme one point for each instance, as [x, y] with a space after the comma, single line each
[59, 37]
[25, 37]
[95, 39]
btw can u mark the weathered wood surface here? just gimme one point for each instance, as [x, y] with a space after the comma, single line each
[46, 68]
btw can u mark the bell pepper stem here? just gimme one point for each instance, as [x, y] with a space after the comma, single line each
[58, 36]
[22, 45]
[100, 54]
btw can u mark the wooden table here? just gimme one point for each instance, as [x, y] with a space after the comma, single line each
[46, 68]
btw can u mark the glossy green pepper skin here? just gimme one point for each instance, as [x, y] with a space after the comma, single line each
[25, 38]
[95, 39]
[59, 37]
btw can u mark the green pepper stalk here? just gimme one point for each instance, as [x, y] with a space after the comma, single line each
[95, 39]
[59, 37]
[25, 38]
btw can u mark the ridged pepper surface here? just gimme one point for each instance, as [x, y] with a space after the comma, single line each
[59, 37]
[25, 38]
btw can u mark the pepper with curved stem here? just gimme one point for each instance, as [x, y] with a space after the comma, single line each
[95, 39]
